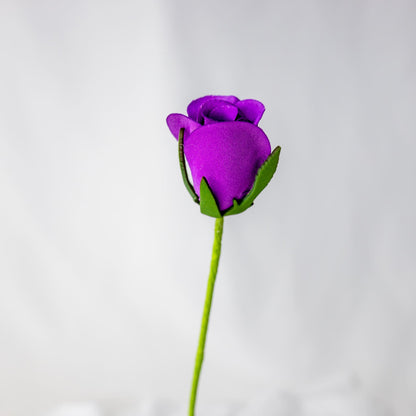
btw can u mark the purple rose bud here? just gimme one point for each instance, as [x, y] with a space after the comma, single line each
[223, 144]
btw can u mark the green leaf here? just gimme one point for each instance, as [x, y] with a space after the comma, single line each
[263, 177]
[208, 203]
[182, 164]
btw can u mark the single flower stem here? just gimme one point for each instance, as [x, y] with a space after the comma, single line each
[216, 251]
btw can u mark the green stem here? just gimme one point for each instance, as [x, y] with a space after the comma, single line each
[216, 251]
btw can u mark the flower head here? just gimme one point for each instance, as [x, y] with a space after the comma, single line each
[224, 147]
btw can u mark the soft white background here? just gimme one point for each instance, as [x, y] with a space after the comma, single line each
[104, 256]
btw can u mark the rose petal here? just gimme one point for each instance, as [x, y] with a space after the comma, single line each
[194, 106]
[178, 121]
[214, 111]
[251, 110]
[229, 155]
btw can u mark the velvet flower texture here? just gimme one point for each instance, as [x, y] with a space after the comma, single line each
[229, 156]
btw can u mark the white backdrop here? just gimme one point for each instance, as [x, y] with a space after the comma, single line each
[104, 256]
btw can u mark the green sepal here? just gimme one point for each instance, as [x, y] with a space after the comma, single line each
[182, 164]
[263, 177]
[207, 200]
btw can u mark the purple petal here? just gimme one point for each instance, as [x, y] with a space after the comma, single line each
[214, 111]
[194, 106]
[251, 110]
[229, 155]
[178, 121]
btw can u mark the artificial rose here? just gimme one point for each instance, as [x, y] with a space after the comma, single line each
[223, 143]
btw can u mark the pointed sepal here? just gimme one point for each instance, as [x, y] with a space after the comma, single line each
[182, 164]
[263, 177]
[207, 200]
